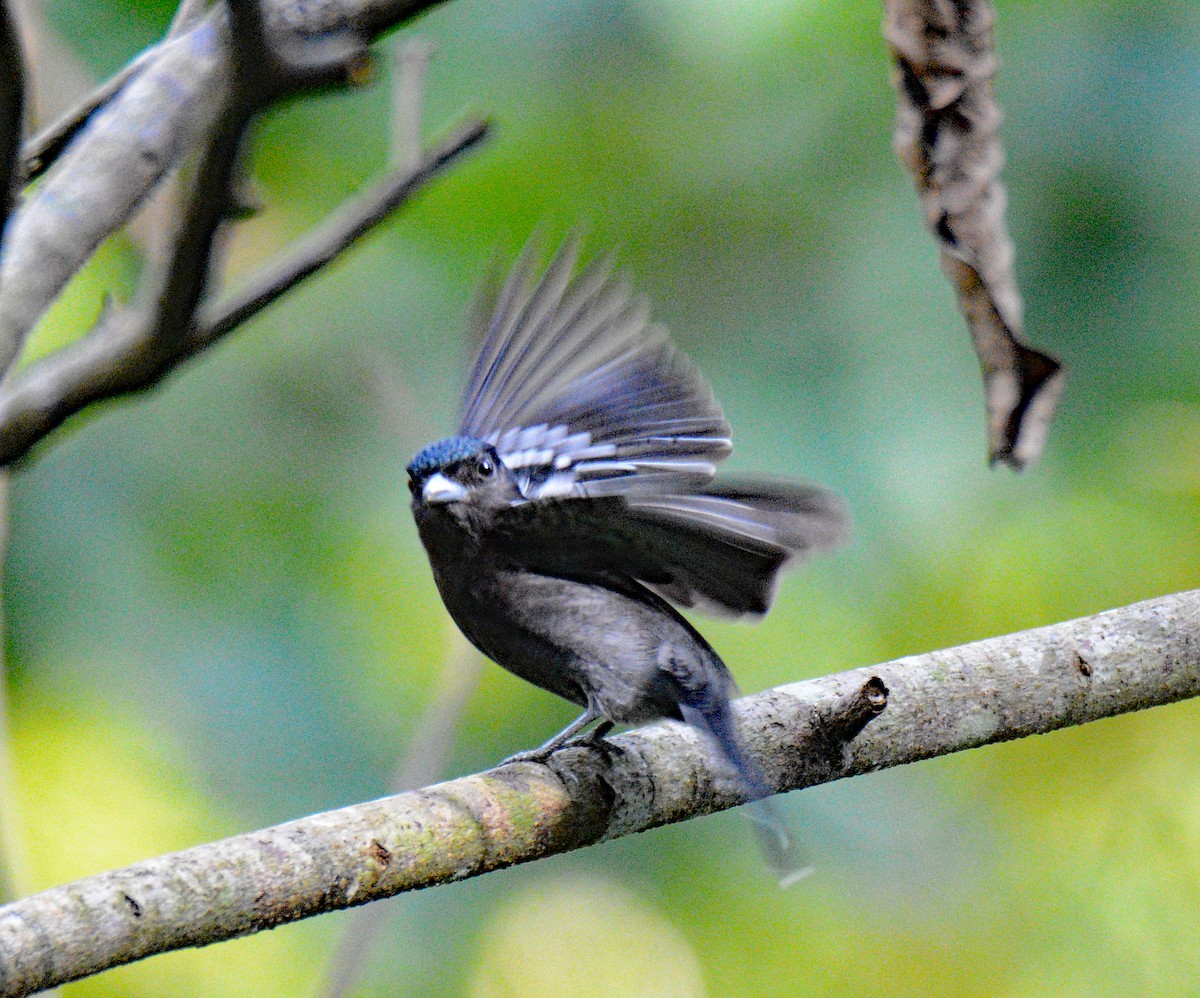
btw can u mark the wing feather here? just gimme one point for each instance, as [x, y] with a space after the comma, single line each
[581, 393]
[613, 437]
[719, 549]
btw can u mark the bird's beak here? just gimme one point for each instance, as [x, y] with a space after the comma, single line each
[440, 489]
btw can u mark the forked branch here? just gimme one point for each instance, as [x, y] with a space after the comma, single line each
[174, 318]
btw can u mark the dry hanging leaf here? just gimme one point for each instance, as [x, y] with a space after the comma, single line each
[947, 133]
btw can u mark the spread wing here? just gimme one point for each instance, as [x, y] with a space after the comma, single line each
[581, 394]
[613, 437]
[718, 549]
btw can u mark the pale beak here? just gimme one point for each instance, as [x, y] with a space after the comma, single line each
[440, 489]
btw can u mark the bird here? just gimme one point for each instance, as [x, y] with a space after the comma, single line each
[578, 509]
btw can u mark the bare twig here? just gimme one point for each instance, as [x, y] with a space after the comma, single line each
[114, 359]
[129, 144]
[410, 67]
[69, 214]
[947, 133]
[260, 73]
[40, 152]
[150, 338]
[174, 293]
[946, 701]
[338, 233]
[12, 111]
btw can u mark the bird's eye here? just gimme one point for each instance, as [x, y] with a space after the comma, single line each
[486, 467]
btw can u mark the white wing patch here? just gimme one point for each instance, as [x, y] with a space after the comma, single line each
[547, 460]
[551, 462]
[547, 446]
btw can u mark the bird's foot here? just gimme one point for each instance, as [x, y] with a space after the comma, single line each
[594, 739]
[539, 755]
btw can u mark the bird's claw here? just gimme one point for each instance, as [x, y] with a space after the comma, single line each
[593, 739]
[538, 755]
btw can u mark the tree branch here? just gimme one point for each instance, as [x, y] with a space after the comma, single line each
[12, 111]
[260, 73]
[112, 360]
[152, 336]
[348, 224]
[129, 144]
[41, 151]
[798, 735]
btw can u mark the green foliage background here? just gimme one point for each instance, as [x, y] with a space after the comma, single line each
[220, 616]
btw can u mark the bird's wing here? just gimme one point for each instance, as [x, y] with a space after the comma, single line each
[580, 393]
[718, 549]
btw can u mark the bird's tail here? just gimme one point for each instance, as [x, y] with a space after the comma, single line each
[710, 712]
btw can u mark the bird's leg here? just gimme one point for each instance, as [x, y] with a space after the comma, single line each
[594, 737]
[543, 752]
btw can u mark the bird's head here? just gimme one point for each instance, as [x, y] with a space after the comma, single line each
[462, 476]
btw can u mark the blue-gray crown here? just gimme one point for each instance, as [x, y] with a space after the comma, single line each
[441, 453]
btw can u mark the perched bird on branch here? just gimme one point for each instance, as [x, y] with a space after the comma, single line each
[577, 507]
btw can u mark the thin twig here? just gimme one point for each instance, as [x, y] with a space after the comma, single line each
[40, 152]
[260, 74]
[153, 337]
[174, 293]
[12, 111]
[131, 143]
[335, 235]
[114, 360]
[977, 694]
[410, 67]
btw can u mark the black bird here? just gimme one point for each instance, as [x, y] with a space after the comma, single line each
[578, 503]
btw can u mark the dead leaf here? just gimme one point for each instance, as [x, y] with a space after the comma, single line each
[947, 133]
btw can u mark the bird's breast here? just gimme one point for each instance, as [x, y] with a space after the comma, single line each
[583, 641]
